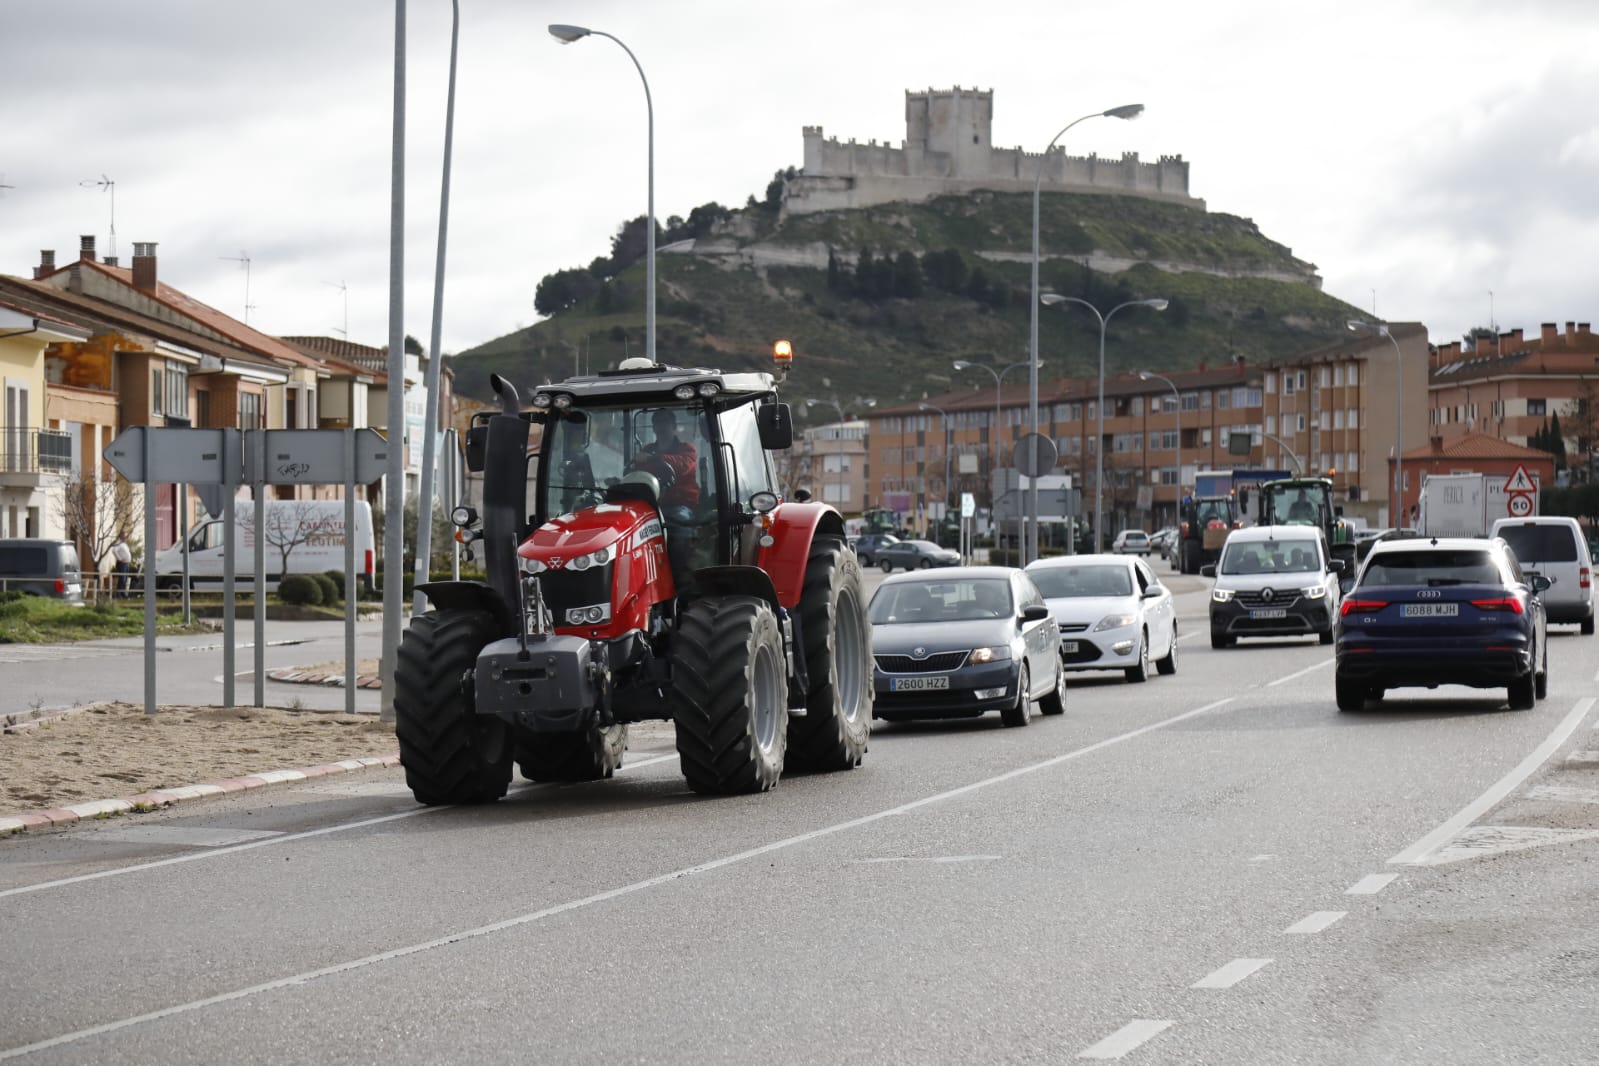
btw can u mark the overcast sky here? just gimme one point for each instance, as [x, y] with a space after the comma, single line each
[1422, 154]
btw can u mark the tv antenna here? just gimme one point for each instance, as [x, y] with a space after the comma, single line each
[344, 290]
[3, 185]
[244, 258]
[107, 185]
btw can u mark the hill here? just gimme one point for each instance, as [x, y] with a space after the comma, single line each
[879, 301]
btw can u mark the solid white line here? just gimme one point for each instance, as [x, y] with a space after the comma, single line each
[1125, 1039]
[1370, 885]
[285, 839]
[610, 894]
[1315, 923]
[1230, 974]
[1299, 673]
[1417, 853]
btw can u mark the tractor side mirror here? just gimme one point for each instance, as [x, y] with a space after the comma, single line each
[476, 438]
[776, 425]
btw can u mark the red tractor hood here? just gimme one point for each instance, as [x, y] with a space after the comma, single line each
[617, 526]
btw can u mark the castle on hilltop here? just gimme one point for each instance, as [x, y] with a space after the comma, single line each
[948, 149]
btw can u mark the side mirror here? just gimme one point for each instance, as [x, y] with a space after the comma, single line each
[476, 438]
[1208, 570]
[1152, 592]
[1335, 566]
[776, 426]
[1540, 583]
[1035, 613]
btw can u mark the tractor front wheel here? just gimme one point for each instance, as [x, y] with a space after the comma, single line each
[833, 732]
[729, 696]
[451, 754]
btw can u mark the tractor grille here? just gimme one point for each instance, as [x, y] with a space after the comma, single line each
[575, 588]
[1279, 598]
[904, 664]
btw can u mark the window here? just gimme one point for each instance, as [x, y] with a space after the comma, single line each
[1271, 382]
[1301, 381]
[1288, 384]
[1204, 437]
[1245, 396]
[1204, 401]
[202, 407]
[1338, 375]
[1323, 420]
[177, 385]
[1353, 418]
[1354, 375]
[1222, 397]
[1325, 376]
[1537, 407]
[1352, 462]
[157, 391]
[1271, 423]
[1300, 424]
[249, 410]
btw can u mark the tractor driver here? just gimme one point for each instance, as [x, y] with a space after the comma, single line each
[675, 462]
[1301, 510]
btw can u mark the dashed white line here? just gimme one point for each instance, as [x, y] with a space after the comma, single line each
[1315, 923]
[1299, 673]
[1230, 974]
[1125, 1039]
[1370, 885]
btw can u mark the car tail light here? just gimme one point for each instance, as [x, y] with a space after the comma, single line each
[1185, 529]
[1503, 603]
[1360, 605]
[61, 586]
[369, 560]
[1583, 580]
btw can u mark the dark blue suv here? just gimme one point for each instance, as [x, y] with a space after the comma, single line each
[1455, 611]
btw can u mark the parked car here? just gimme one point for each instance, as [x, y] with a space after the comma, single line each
[1273, 581]
[963, 642]
[1445, 611]
[1554, 546]
[914, 555]
[1130, 542]
[38, 567]
[868, 544]
[1113, 613]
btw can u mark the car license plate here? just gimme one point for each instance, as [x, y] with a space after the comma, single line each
[918, 684]
[1068, 647]
[1431, 610]
[1269, 612]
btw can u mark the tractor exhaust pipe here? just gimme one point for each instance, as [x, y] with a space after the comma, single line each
[505, 493]
[510, 402]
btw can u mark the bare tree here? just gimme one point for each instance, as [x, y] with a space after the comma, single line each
[95, 513]
[292, 523]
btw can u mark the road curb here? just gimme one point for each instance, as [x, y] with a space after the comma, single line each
[161, 798]
[295, 676]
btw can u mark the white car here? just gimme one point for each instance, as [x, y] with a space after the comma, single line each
[1113, 613]
[1131, 542]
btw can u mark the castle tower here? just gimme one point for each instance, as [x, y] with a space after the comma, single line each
[953, 126]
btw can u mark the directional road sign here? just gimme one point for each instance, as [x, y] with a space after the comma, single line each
[194, 456]
[315, 456]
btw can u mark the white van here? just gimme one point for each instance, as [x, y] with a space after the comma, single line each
[1553, 545]
[301, 537]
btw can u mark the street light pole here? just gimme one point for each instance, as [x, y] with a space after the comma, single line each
[1357, 326]
[1050, 299]
[566, 35]
[942, 414]
[1145, 375]
[1126, 111]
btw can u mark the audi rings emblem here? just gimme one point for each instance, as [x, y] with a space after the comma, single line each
[1429, 594]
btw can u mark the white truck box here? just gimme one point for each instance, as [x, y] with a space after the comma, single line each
[1454, 505]
[311, 532]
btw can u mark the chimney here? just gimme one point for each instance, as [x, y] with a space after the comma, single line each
[1549, 332]
[1201, 366]
[1582, 329]
[47, 263]
[110, 260]
[1515, 339]
[1437, 445]
[86, 247]
[144, 266]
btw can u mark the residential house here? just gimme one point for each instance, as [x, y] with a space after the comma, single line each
[34, 457]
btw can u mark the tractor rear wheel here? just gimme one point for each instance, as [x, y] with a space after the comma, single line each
[587, 755]
[450, 753]
[833, 732]
[729, 695]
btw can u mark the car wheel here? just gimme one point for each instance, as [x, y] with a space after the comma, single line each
[1350, 696]
[885, 566]
[1055, 702]
[925, 564]
[1325, 636]
[1168, 665]
[1020, 713]
[1587, 626]
[1376, 693]
[1523, 693]
[1540, 683]
[1140, 673]
[1219, 640]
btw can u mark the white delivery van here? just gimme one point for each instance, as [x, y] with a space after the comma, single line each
[301, 537]
[1555, 547]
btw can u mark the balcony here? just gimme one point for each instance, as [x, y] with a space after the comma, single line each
[27, 456]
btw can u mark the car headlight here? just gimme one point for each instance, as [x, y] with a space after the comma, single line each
[1221, 595]
[1313, 592]
[988, 655]
[1115, 621]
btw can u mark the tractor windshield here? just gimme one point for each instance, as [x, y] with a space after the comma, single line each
[1302, 505]
[589, 449]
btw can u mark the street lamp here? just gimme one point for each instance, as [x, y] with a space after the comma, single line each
[993, 434]
[566, 35]
[843, 419]
[1145, 375]
[1050, 299]
[1126, 111]
[1355, 325]
[943, 415]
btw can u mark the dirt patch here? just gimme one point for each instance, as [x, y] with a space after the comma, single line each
[112, 750]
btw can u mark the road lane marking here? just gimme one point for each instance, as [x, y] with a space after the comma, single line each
[1417, 853]
[1299, 673]
[285, 839]
[605, 896]
[1230, 974]
[1370, 885]
[1480, 841]
[188, 836]
[1314, 923]
[1125, 1039]
[934, 858]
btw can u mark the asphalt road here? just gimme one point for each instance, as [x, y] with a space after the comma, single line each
[1199, 869]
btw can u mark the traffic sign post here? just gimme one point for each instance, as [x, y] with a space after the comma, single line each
[1518, 504]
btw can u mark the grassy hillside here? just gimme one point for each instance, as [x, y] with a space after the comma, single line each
[723, 312]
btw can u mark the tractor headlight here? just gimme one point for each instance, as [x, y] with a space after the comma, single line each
[708, 388]
[590, 616]
[563, 401]
[541, 399]
[684, 392]
[531, 566]
[463, 516]
[594, 558]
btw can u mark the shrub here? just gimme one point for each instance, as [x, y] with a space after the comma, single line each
[300, 589]
[332, 593]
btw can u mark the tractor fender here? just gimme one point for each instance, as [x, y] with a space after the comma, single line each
[470, 596]
[731, 581]
[794, 527]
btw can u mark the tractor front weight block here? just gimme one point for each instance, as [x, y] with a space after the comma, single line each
[554, 686]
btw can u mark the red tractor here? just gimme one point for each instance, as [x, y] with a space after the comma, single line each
[640, 565]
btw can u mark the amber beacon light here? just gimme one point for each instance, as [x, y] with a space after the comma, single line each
[783, 353]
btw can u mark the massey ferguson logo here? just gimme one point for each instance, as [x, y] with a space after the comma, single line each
[555, 562]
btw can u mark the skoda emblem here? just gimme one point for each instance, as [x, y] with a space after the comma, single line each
[1267, 594]
[920, 653]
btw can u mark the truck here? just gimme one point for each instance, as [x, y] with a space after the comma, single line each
[1468, 504]
[628, 582]
[300, 537]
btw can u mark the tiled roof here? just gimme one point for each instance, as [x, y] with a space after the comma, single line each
[1477, 446]
[359, 357]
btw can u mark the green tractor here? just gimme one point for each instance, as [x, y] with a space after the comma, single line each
[1307, 501]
